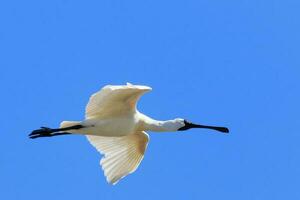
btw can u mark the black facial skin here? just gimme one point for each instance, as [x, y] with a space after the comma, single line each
[188, 125]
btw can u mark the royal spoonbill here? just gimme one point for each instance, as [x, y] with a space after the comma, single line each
[115, 127]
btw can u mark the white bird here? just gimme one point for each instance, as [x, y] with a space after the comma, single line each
[115, 127]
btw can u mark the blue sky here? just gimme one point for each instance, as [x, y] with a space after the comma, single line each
[232, 63]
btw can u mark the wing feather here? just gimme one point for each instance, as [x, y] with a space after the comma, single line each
[114, 100]
[122, 155]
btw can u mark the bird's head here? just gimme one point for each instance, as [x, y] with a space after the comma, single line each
[183, 125]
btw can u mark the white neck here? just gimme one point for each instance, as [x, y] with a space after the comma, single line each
[149, 124]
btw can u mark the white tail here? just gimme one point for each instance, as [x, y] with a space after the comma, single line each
[65, 124]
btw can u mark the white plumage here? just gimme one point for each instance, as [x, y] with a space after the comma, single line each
[122, 155]
[110, 117]
[116, 128]
[113, 101]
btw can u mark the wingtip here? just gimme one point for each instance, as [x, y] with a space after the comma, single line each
[145, 87]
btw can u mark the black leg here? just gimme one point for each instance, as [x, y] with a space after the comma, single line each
[48, 135]
[49, 132]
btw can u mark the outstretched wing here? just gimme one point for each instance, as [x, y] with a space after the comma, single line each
[122, 155]
[114, 100]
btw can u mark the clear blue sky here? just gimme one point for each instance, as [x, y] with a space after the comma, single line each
[233, 63]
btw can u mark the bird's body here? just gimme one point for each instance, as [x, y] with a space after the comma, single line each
[116, 128]
[121, 126]
[110, 127]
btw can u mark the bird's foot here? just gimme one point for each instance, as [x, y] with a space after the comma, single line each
[42, 132]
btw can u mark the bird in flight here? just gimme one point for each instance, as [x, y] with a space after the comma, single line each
[115, 127]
